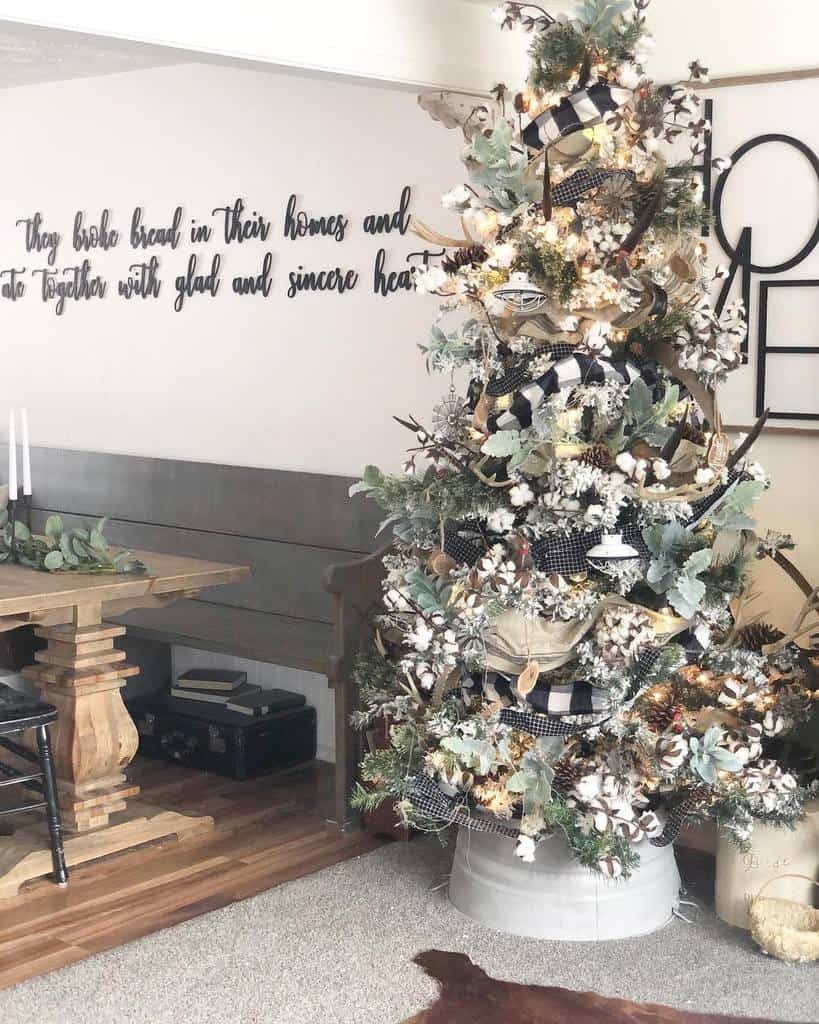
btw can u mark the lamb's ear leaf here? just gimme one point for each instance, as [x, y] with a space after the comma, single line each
[54, 560]
[502, 444]
[54, 528]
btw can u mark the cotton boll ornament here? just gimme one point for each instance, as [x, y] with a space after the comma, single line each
[671, 752]
[610, 866]
[480, 224]
[525, 849]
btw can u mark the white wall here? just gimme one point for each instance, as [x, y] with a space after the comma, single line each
[448, 43]
[308, 383]
[442, 43]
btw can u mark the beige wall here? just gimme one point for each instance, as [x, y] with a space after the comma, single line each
[791, 506]
[308, 383]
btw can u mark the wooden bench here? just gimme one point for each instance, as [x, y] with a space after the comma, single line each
[302, 606]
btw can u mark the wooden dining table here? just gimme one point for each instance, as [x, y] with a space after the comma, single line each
[81, 672]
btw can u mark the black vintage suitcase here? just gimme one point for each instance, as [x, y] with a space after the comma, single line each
[209, 737]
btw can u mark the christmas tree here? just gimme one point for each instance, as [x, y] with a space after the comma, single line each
[565, 641]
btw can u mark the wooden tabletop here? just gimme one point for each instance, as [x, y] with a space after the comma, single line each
[24, 591]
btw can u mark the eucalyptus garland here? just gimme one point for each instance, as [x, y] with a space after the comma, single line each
[82, 549]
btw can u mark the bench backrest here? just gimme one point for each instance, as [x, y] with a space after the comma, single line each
[289, 526]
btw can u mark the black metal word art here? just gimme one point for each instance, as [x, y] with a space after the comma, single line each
[741, 257]
[232, 224]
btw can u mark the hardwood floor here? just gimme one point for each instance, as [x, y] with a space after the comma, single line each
[267, 831]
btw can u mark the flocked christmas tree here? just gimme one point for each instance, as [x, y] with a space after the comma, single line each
[561, 645]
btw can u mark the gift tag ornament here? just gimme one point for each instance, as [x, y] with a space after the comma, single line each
[441, 563]
[528, 678]
[718, 451]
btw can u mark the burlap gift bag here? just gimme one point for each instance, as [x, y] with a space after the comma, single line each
[516, 640]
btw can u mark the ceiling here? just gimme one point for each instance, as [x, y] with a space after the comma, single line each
[29, 55]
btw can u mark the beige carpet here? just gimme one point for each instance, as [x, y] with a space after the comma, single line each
[337, 948]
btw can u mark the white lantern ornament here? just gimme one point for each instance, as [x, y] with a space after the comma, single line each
[519, 294]
[612, 554]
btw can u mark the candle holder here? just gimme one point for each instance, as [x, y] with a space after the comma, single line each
[12, 511]
[19, 511]
[25, 505]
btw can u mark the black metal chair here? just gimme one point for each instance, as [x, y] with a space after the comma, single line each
[17, 714]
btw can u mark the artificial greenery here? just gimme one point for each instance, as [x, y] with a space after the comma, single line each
[546, 266]
[646, 419]
[679, 558]
[61, 549]
[418, 505]
[598, 33]
[445, 352]
[501, 168]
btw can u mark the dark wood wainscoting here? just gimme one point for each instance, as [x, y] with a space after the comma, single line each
[289, 526]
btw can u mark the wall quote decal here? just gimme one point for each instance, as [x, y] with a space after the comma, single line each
[148, 243]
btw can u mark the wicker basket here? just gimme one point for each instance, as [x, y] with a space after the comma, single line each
[783, 928]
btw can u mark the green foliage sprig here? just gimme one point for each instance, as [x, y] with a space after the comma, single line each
[417, 505]
[501, 168]
[81, 549]
[647, 419]
[457, 348]
[546, 265]
[679, 558]
[597, 33]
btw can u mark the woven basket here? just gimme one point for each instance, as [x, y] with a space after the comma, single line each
[783, 928]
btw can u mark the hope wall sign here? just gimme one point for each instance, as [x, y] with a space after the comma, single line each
[63, 280]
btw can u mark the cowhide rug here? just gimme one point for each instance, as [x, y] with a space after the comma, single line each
[470, 996]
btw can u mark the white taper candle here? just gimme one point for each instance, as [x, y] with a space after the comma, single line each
[26, 452]
[12, 459]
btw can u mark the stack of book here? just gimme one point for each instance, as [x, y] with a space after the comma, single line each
[229, 689]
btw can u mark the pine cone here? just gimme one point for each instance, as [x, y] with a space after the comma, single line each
[755, 636]
[660, 716]
[598, 456]
[567, 772]
[469, 256]
[694, 435]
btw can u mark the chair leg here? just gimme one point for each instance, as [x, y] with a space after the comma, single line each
[52, 809]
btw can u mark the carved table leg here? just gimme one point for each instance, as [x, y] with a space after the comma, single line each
[94, 739]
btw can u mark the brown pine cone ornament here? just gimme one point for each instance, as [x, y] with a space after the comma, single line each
[757, 635]
[665, 715]
[470, 256]
[599, 456]
[567, 772]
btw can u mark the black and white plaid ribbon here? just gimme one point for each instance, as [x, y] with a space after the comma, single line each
[566, 553]
[555, 700]
[678, 818]
[582, 109]
[579, 368]
[509, 381]
[465, 541]
[426, 797]
[649, 656]
[580, 182]
[543, 725]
